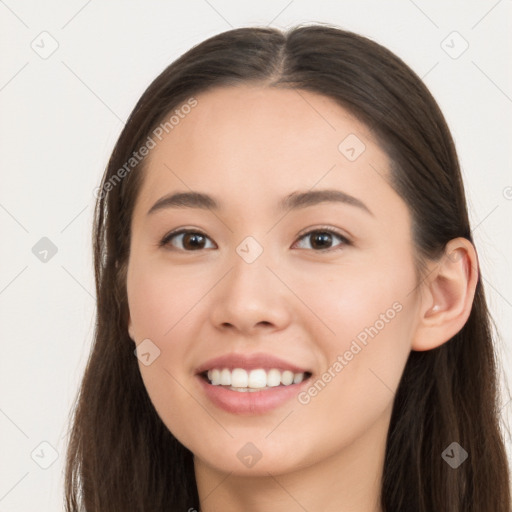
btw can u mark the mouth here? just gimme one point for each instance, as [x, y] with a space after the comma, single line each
[253, 380]
[249, 384]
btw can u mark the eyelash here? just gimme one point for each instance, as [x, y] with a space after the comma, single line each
[167, 238]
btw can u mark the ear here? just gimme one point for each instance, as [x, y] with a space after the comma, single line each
[447, 295]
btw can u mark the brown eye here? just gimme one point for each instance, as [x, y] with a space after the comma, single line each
[322, 240]
[190, 240]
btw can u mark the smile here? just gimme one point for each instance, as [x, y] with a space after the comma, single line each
[239, 379]
[241, 399]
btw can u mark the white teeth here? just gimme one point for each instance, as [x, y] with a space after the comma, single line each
[241, 380]
[225, 377]
[286, 378]
[257, 379]
[298, 378]
[273, 378]
[214, 376]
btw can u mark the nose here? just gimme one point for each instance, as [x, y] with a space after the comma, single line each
[251, 299]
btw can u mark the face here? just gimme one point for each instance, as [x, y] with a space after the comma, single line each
[315, 286]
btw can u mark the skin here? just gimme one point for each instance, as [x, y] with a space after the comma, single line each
[249, 146]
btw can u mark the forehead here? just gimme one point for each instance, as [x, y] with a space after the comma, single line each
[253, 145]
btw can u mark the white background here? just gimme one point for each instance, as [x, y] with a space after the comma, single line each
[61, 116]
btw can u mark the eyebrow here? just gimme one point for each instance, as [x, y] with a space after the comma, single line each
[293, 201]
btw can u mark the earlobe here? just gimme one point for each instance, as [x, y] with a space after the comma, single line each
[447, 295]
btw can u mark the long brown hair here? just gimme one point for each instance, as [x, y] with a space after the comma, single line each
[122, 457]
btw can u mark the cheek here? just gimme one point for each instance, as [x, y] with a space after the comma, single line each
[160, 301]
[164, 305]
[368, 320]
[348, 301]
[160, 310]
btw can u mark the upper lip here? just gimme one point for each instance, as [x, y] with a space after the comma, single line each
[249, 362]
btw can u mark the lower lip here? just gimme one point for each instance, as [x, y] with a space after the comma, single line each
[250, 402]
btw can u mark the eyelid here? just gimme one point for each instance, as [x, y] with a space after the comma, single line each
[329, 229]
[165, 241]
[326, 229]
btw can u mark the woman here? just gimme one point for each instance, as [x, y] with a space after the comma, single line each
[282, 241]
